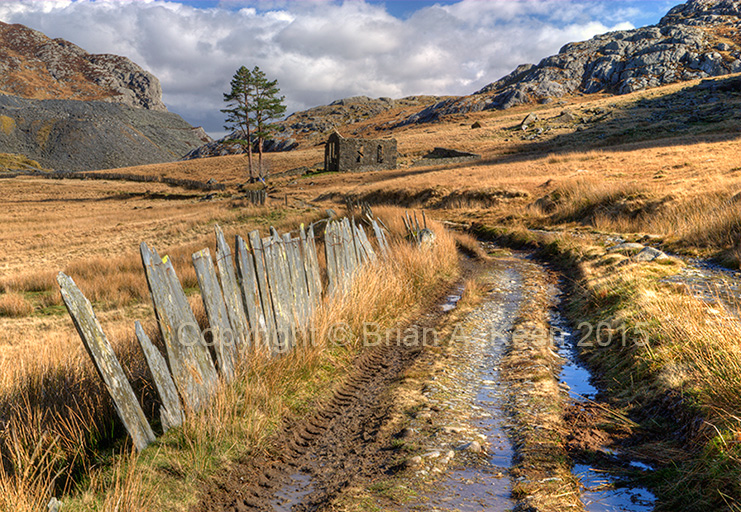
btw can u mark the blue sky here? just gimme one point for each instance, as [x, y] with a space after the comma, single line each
[323, 50]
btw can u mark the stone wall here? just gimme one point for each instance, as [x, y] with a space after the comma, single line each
[347, 155]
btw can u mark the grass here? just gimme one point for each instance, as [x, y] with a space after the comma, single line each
[612, 179]
[13, 162]
[13, 304]
[671, 360]
[78, 451]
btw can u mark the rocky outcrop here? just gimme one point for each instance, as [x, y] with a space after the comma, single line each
[70, 135]
[697, 39]
[71, 110]
[34, 66]
[312, 126]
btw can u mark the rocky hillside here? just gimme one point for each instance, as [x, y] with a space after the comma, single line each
[36, 67]
[72, 110]
[84, 135]
[312, 126]
[696, 39]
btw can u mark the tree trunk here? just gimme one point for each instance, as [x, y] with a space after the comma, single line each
[249, 153]
[259, 152]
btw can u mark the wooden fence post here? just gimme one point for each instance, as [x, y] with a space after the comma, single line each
[171, 411]
[106, 363]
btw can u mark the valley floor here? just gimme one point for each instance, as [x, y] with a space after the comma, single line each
[659, 337]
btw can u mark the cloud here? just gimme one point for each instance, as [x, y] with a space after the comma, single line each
[319, 51]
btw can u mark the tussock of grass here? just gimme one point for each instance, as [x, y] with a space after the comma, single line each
[14, 304]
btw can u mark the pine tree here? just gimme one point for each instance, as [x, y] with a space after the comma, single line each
[268, 107]
[253, 103]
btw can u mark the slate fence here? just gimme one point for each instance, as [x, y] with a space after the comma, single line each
[261, 296]
[256, 197]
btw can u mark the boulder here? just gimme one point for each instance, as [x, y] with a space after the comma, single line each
[529, 119]
[650, 254]
[426, 237]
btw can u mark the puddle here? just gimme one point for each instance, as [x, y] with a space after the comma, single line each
[292, 493]
[601, 495]
[451, 301]
[573, 373]
[601, 491]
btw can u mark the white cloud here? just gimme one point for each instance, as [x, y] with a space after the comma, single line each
[319, 51]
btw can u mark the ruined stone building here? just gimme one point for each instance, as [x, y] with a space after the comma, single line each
[346, 155]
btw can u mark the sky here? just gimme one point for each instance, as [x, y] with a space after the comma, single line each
[323, 50]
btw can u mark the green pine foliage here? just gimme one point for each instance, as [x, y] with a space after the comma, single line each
[252, 105]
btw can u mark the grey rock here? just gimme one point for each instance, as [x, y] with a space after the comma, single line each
[678, 48]
[406, 433]
[54, 505]
[567, 116]
[447, 153]
[453, 430]
[650, 254]
[426, 237]
[474, 447]
[63, 70]
[529, 119]
[413, 462]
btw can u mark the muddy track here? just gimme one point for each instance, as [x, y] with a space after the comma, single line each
[319, 456]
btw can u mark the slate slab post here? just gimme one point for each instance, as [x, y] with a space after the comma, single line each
[106, 363]
[247, 276]
[232, 294]
[261, 270]
[190, 363]
[171, 411]
[223, 337]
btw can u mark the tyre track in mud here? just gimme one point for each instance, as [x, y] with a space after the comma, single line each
[317, 457]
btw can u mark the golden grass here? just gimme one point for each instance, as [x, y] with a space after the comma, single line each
[682, 188]
[238, 421]
[14, 304]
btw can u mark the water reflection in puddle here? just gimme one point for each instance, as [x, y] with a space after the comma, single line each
[482, 482]
[601, 495]
[573, 373]
[292, 493]
[601, 492]
[452, 300]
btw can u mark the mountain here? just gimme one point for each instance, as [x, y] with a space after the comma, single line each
[72, 110]
[697, 39]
